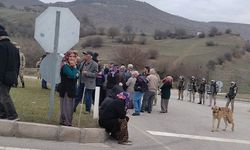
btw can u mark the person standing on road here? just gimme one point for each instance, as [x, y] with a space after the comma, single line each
[192, 88]
[67, 87]
[165, 93]
[130, 84]
[89, 72]
[9, 69]
[213, 90]
[231, 95]
[181, 87]
[201, 91]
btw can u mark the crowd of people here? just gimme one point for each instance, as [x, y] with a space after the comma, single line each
[205, 90]
[121, 88]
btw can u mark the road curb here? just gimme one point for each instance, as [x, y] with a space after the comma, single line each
[52, 132]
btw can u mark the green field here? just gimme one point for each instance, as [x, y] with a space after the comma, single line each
[32, 104]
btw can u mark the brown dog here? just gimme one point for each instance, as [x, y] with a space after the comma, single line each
[222, 112]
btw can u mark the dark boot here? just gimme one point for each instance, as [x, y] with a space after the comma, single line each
[23, 85]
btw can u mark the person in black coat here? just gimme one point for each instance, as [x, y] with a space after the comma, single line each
[9, 69]
[112, 117]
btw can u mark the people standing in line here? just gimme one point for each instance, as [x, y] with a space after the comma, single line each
[213, 90]
[67, 88]
[151, 93]
[231, 95]
[130, 87]
[141, 86]
[112, 117]
[22, 64]
[9, 69]
[181, 87]
[146, 71]
[128, 72]
[192, 88]
[100, 79]
[166, 93]
[113, 78]
[201, 91]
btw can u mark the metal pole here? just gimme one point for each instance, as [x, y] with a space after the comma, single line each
[83, 95]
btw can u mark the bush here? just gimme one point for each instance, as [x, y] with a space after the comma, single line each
[220, 60]
[101, 31]
[246, 47]
[228, 56]
[180, 33]
[237, 54]
[210, 43]
[93, 42]
[142, 40]
[130, 55]
[2, 5]
[153, 54]
[213, 31]
[201, 35]
[211, 65]
[228, 31]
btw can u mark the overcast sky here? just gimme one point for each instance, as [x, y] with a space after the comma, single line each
[203, 10]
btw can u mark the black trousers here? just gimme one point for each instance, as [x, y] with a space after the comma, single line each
[7, 108]
[147, 101]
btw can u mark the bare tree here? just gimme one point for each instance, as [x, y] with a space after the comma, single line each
[113, 32]
[128, 35]
[130, 55]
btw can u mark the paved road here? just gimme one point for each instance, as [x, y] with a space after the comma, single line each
[186, 126]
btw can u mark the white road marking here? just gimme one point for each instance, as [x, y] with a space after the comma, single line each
[186, 136]
[15, 148]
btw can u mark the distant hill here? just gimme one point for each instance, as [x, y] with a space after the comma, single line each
[140, 15]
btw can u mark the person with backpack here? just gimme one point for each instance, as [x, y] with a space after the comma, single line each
[192, 88]
[213, 92]
[231, 95]
[140, 87]
[201, 91]
[181, 87]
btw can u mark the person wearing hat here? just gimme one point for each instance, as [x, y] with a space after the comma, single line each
[201, 91]
[231, 95]
[22, 64]
[9, 69]
[113, 117]
[88, 70]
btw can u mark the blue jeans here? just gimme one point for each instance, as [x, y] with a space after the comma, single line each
[137, 101]
[88, 99]
[79, 94]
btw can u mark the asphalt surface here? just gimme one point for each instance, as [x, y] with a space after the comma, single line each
[187, 126]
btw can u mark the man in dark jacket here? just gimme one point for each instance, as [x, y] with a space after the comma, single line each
[9, 69]
[113, 117]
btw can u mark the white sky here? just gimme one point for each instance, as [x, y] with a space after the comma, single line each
[202, 10]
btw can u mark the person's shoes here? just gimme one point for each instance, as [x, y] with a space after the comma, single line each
[23, 85]
[163, 112]
[45, 88]
[149, 112]
[14, 118]
[142, 111]
[199, 103]
[136, 114]
[125, 143]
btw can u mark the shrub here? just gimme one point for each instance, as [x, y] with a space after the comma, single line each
[237, 54]
[210, 43]
[101, 31]
[180, 33]
[213, 31]
[228, 56]
[153, 54]
[211, 65]
[201, 35]
[246, 46]
[220, 60]
[93, 42]
[2, 5]
[228, 31]
[142, 40]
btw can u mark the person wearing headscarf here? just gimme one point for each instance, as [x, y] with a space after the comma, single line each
[67, 87]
